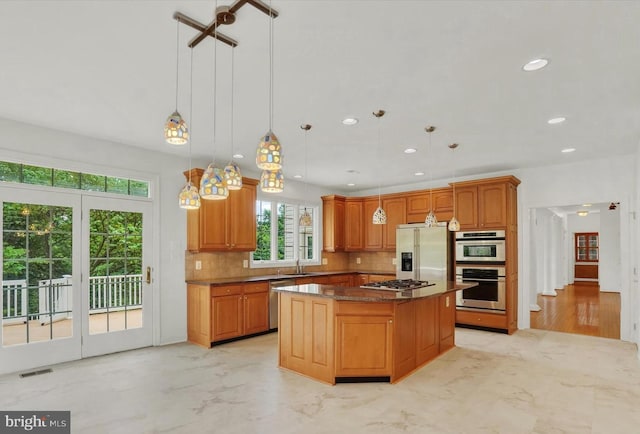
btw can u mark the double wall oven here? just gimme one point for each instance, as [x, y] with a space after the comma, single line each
[480, 258]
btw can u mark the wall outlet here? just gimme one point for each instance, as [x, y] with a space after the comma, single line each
[358, 261]
[394, 262]
[324, 261]
[198, 265]
[245, 263]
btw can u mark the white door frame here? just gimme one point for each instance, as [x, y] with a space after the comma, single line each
[104, 343]
[28, 356]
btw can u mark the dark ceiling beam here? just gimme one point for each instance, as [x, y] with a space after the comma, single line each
[201, 28]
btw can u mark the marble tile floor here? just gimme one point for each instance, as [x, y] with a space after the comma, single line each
[534, 381]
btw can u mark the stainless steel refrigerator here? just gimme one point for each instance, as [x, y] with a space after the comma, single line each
[424, 253]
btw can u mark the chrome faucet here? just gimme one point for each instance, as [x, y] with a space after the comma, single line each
[299, 268]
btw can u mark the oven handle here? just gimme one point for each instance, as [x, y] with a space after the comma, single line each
[472, 279]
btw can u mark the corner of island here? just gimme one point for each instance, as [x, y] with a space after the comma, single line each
[337, 334]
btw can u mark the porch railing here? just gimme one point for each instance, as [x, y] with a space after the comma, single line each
[54, 297]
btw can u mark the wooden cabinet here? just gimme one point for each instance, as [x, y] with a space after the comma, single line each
[218, 313]
[341, 279]
[372, 233]
[485, 204]
[447, 315]
[224, 225]
[353, 220]
[363, 279]
[419, 204]
[333, 221]
[396, 209]
[427, 346]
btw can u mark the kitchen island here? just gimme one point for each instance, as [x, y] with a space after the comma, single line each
[338, 334]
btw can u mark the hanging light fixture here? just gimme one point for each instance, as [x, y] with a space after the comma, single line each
[269, 152]
[189, 198]
[431, 220]
[176, 131]
[272, 181]
[454, 224]
[212, 184]
[305, 218]
[379, 216]
[231, 171]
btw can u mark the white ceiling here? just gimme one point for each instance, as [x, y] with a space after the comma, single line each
[106, 69]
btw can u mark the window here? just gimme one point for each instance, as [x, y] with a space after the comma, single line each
[281, 239]
[36, 175]
[586, 247]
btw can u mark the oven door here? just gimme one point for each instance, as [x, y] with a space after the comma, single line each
[489, 294]
[480, 250]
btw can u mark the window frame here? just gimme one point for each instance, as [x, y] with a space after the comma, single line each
[316, 232]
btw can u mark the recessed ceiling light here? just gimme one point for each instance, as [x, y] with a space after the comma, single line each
[410, 150]
[349, 121]
[297, 176]
[582, 213]
[568, 150]
[351, 184]
[586, 204]
[535, 65]
[419, 173]
[558, 120]
[238, 156]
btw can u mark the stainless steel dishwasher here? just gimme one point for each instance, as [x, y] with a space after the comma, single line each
[273, 300]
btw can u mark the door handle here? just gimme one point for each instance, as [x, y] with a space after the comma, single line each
[148, 275]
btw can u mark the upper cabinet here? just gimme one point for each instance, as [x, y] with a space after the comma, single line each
[419, 203]
[396, 209]
[486, 204]
[353, 222]
[224, 225]
[333, 216]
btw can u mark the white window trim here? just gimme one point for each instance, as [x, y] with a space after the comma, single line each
[317, 251]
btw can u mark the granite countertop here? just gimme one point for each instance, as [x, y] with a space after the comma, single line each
[247, 279]
[346, 293]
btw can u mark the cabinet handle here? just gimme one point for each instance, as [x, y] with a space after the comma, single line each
[390, 321]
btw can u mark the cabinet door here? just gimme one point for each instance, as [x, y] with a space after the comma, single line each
[396, 210]
[333, 215]
[198, 314]
[241, 218]
[404, 339]
[492, 205]
[447, 314]
[226, 317]
[213, 225]
[363, 345]
[256, 312]
[418, 205]
[466, 207]
[372, 233]
[427, 346]
[341, 280]
[443, 204]
[353, 232]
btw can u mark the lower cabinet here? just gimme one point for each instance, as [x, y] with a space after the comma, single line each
[218, 313]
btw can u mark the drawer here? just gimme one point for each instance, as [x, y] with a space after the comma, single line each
[250, 288]
[482, 319]
[217, 291]
[357, 308]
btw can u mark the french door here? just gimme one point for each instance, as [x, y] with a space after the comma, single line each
[74, 280]
[116, 275]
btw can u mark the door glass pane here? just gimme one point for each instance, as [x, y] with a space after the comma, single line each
[115, 271]
[36, 273]
[285, 231]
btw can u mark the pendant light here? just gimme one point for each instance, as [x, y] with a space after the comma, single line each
[305, 218]
[189, 197]
[272, 181]
[454, 224]
[232, 173]
[379, 216]
[269, 152]
[176, 131]
[431, 220]
[212, 184]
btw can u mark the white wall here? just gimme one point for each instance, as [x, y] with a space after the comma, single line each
[610, 267]
[605, 180]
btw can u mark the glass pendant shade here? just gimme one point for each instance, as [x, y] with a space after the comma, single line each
[272, 181]
[176, 131]
[233, 176]
[379, 217]
[454, 224]
[268, 155]
[189, 197]
[305, 219]
[213, 185]
[431, 220]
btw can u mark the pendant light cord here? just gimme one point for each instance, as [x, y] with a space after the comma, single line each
[177, 58]
[270, 68]
[232, 75]
[379, 146]
[190, 109]
[430, 174]
[215, 80]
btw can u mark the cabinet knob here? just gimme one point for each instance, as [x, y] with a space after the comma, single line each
[228, 290]
[390, 321]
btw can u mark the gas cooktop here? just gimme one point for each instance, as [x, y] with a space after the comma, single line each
[398, 284]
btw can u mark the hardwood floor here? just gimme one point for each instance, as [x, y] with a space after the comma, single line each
[580, 309]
